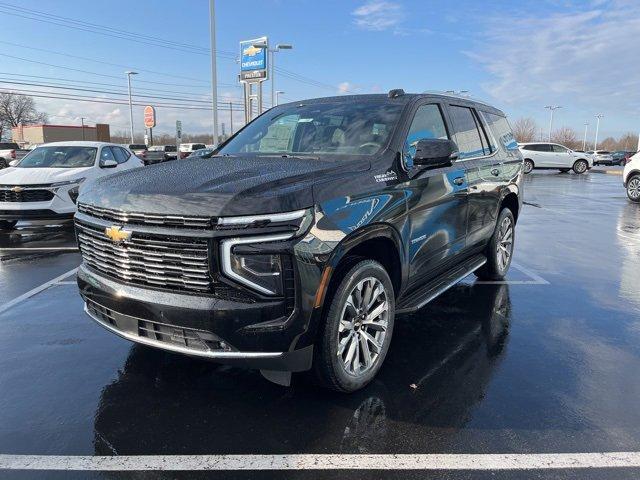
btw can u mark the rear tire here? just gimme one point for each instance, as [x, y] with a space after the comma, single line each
[3, 163]
[528, 166]
[356, 330]
[580, 166]
[499, 251]
[633, 188]
[7, 225]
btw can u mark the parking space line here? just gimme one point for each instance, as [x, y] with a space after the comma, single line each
[4, 307]
[535, 278]
[518, 461]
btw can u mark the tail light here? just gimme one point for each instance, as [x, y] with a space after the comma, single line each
[13, 154]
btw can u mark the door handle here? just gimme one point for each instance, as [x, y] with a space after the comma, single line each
[458, 180]
[495, 172]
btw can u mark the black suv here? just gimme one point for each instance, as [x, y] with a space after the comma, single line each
[297, 244]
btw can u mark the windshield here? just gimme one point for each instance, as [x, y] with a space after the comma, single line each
[59, 157]
[319, 128]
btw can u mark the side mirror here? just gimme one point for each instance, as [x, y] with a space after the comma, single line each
[108, 163]
[435, 152]
[13, 163]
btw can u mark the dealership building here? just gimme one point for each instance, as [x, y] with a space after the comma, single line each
[36, 134]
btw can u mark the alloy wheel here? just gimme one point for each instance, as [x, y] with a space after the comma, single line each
[528, 166]
[363, 326]
[581, 167]
[633, 188]
[505, 243]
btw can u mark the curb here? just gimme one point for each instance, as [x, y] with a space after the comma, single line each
[608, 172]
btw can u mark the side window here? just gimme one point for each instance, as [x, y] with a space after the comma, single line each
[559, 149]
[427, 123]
[121, 154]
[545, 147]
[106, 154]
[468, 133]
[502, 131]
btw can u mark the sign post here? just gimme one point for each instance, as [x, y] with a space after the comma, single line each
[149, 121]
[254, 67]
[178, 138]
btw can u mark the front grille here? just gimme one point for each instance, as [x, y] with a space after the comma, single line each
[169, 262]
[146, 218]
[26, 196]
[159, 333]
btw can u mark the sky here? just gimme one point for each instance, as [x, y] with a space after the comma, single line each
[518, 56]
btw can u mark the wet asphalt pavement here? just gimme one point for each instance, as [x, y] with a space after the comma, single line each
[546, 362]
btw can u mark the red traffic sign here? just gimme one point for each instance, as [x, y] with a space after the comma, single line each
[149, 116]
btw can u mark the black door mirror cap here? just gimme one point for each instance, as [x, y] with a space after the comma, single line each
[435, 152]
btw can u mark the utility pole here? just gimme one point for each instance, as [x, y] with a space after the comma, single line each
[584, 140]
[82, 122]
[595, 141]
[214, 74]
[552, 108]
[231, 117]
[129, 73]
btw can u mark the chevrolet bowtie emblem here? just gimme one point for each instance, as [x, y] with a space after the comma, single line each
[17, 189]
[116, 234]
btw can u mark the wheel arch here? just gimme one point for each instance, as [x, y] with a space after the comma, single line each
[511, 200]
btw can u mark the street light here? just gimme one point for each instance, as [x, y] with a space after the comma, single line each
[128, 74]
[214, 73]
[278, 93]
[552, 108]
[271, 51]
[584, 140]
[595, 141]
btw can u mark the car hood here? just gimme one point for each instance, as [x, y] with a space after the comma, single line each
[219, 186]
[39, 176]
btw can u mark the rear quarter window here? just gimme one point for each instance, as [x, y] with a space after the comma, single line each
[501, 129]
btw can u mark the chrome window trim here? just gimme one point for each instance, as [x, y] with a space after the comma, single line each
[271, 217]
[225, 253]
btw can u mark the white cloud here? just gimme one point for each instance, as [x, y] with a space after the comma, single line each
[378, 15]
[345, 87]
[587, 56]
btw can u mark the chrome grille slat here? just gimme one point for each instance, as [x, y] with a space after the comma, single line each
[146, 218]
[165, 262]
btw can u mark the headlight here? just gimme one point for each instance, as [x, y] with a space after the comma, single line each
[260, 271]
[76, 181]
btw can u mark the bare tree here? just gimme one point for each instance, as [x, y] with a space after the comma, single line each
[608, 143]
[16, 109]
[628, 142]
[566, 136]
[525, 129]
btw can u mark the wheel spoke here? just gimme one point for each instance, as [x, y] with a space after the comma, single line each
[372, 340]
[365, 351]
[343, 344]
[376, 312]
[376, 293]
[345, 325]
[378, 326]
[368, 292]
[350, 352]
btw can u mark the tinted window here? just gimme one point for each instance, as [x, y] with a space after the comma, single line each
[9, 146]
[502, 131]
[559, 149]
[427, 123]
[198, 146]
[121, 154]
[338, 127]
[59, 157]
[170, 148]
[468, 134]
[138, 147]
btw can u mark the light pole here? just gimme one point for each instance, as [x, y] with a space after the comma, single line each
[552, 108]
[584, 140]
[595, 141]
[129, 73]
[214, 73]
[271, 52]
[278, 93]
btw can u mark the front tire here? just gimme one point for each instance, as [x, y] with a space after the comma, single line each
[357, 328]
[499, 251]
[633, 188]
[528, 166]
[7, 225]
[3, 163]
[580, 166]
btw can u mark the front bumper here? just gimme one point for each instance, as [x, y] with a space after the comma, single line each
[223, 330]
[60, 207]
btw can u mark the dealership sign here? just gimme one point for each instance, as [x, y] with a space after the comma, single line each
[149, 116]
[253, 59]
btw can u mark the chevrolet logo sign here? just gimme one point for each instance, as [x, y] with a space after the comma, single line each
[116, 234]
[17, 189]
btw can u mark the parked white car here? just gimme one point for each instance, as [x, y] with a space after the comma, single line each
[631, 178]
[601, 157]
[545, 155]
[44, 184]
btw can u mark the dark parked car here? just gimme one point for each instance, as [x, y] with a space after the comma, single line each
[317, 223]
[160, 153]
[621, 157]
